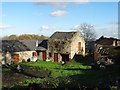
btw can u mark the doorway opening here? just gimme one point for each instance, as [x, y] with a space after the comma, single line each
[65, 57]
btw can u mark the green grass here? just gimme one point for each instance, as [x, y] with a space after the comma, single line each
[80, 72]
[5, 69]
[54, 65]
[73, 72]
[57, 70]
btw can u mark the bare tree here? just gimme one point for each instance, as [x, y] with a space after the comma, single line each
[89, 35]
[87, 31]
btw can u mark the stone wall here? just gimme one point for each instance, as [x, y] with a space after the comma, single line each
[74, 45]
[69, 46]
[5, 58]
[63, 47]
[118, 43]
[1, 58]
[40, 56]
[59, 46]
[24, 55]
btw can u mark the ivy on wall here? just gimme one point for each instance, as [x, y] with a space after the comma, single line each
[57, 45]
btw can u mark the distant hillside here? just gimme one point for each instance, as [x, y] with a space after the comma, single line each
[25, 37]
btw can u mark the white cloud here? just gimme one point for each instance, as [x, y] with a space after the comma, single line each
[76, 27]
[58, 5]
[61, 0]
[45, 27]
[48, 30]
[59, 13]
[108, 30]
[61, 5]
[5, 26]
[48, 27]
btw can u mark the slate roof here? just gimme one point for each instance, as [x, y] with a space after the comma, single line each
[31, 44]
[62, 35]
[18, 45]
[43, 45]
[106, 41]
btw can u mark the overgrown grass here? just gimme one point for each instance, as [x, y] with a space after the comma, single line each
[58, 70]
[73, 73]
[6, 69]
[80, 72]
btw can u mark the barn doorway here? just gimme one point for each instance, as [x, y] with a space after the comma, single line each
[65, 57]
[79, 46]
[55, 57]
[44, 56]
[16, 58]
[34, 54]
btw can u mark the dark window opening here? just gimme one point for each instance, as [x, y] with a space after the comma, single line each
[38, 53]
[50, 54]
[63, 42]
[65, 57]
[34, 54]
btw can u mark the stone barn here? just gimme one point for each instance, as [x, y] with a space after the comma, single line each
[19, 50]
[62, 46]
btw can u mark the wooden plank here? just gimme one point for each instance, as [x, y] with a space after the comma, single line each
[55, 57]
[79, 46]
[44, 56]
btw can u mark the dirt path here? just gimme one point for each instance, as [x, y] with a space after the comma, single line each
[11, 78]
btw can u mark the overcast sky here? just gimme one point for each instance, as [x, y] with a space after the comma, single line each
[46, 18]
